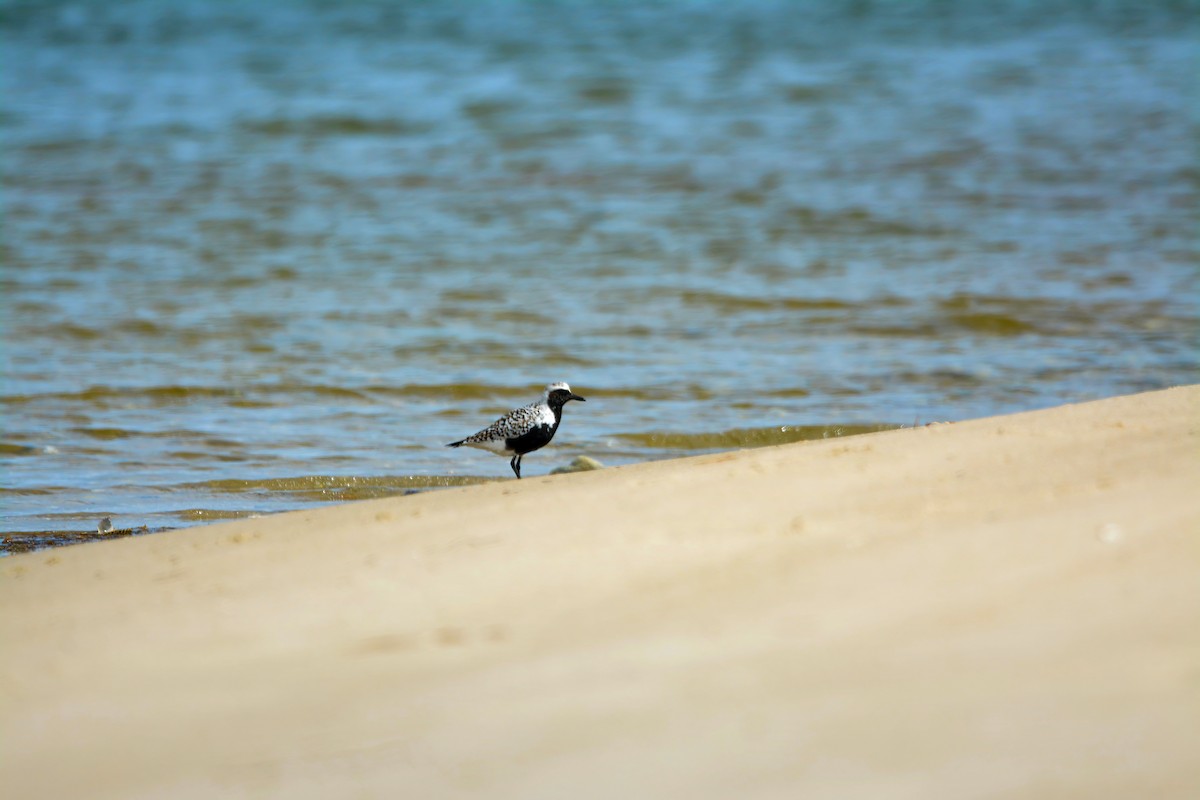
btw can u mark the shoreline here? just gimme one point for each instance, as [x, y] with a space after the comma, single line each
[998, 607]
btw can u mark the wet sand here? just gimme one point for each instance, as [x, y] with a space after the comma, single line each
[1007, 607]
[34, 541]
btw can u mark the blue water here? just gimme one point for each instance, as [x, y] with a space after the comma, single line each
[263, 256]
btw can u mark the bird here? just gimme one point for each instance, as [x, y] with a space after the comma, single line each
[524, 429]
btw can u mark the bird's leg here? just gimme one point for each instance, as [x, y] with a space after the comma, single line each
[516, 465]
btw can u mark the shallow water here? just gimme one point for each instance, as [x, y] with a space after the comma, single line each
[263, 256]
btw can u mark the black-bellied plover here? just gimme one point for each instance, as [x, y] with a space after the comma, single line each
[525, 429]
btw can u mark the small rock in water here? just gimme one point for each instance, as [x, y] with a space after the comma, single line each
[580, 464]
[105, 526]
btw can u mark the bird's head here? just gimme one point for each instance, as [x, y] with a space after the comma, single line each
[558, 394]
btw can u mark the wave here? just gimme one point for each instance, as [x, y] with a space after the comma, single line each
[749, 437]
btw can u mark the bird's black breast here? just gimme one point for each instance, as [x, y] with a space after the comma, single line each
[534, 438]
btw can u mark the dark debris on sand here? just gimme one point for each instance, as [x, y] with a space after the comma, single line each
[11, 543]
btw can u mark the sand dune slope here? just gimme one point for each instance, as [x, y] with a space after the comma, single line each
[1007, 607]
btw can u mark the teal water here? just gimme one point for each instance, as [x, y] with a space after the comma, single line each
[263, 256]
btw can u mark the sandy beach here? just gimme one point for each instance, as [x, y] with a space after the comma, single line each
[1006, 607]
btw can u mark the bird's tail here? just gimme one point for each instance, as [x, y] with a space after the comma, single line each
[459, 443]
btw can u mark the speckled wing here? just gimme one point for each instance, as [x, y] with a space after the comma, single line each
[510, 426]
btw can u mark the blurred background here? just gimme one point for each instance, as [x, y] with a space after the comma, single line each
[259, 256]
